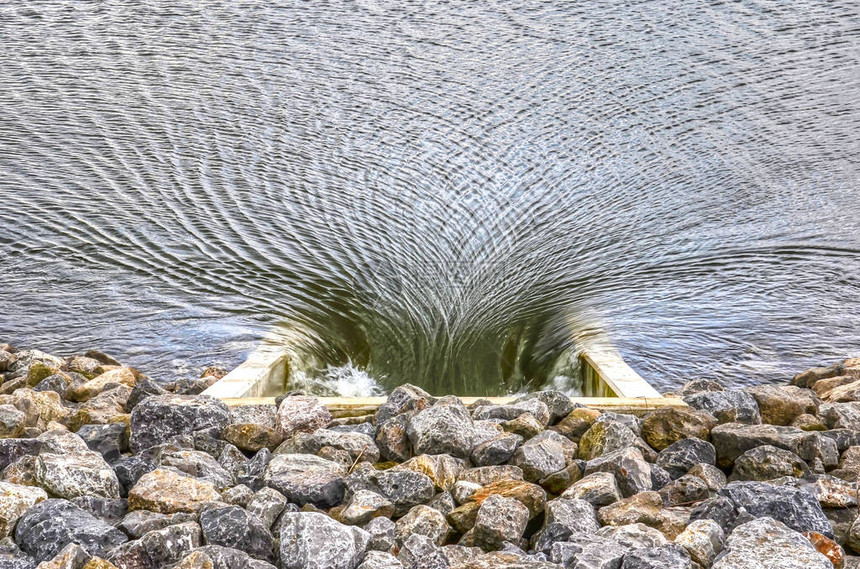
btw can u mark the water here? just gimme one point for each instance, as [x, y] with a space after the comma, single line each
[456, 194]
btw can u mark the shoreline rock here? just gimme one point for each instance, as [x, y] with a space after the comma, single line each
[102, 467]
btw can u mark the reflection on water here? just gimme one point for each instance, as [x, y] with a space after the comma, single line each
[447, 193]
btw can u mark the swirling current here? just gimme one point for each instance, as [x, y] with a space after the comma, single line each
[455, 194]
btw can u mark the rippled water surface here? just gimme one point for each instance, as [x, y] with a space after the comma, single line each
[455, 194]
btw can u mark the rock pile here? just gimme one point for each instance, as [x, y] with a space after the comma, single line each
[102, 467]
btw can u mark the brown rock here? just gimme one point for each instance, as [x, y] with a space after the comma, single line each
[812, 376]
[252, 436]
[88, 390]
[167, 492]
[808, 422]
[99, 563]
[525, 426]
[462, 519]
[781, 405]
[15, 500]
[529, 495]
[671, 424]
[72, 556]
[824, 388]
[442, 469]
[485, 475]
[844, 393]
[101, 409]
[645, 508]
[827, 547]
[577, 423]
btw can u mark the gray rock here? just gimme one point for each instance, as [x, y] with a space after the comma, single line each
[17, 560]
[587, 552]
[419, 552]
[525, 426]
[659, 477]
[13, 449]
[797, 509]
[442, 429]
[79, 474]
[404, 488]
[129, 470]
[143, 388]
[306, 479]
[380, 560]
[364, 505]
[48, 526]
[841, 415]
[237, 528]
[157, 548]
[684, 491]
[668, 556]
[733, 439]
[680, 457]
[315, 541]
[237, 495]
[576, 515]
[727, 406]
[444, 502]
[359, 446]
[632, 422]
[210, 441]
[392, 440]
[264, 415]
[59, 441]
[158, 418]
[767, 463]
[558, 404]
[140, 522]
[711, 475]
[111, 510]
[532, 406]
[56, 383]
[499, 520]
[198, 464]
[109, 440]
[381, 532]
[365, 428]
[422, 520]
[633, 536]
[767, 543]
[543, 455]
[227, 558]
[463, 490]
[267, 504]
[631, 471]
[598, 489]
[718, 509]
[251, 472]
[496, 451]
[404, 399]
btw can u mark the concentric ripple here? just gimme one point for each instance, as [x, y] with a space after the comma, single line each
[454, 194]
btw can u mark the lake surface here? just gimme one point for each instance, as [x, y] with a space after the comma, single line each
[455, 194]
